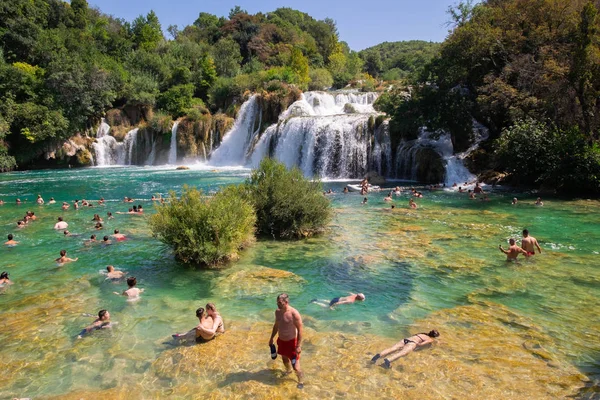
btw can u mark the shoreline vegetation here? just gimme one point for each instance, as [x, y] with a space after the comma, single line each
[527, 71]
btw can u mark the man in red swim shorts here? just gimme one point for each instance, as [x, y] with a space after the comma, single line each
[529, 244]
[288, 323]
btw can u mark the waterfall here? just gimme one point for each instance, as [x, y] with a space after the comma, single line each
[324, 134]
[110, 152]
[125, 149]
[102, 146]
[407, 161]
[152, 155]
[103, 129]
[235, 144]
[173, 148]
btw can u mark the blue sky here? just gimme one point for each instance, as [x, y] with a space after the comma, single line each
[360, 23]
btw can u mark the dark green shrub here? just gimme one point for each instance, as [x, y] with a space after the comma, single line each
[205, 231]
[287, 204]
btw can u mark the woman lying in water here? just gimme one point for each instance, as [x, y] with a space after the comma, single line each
[405, 346]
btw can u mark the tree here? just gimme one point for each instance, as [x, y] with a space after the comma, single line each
[320, 79]
[373, 65]
[176, 99]
[299, 64]
[80, 9]
[585, 72]
[227, 58]
[236, 11]
[204, 77]
[147, 32]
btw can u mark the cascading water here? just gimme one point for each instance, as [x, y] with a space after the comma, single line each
[110, 152]
[173, 149]
[235, 145]
[324, 134]
[407, 162]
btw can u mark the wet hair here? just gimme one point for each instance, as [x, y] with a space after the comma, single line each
[525, 232]
[10, 236]
[93, 237]
[433, 333]
[102, 313]
[105, 238]
[283, 297]
[134, 208]
[511, 241]
[131, 281]
[110, 268]
[60, 219]
[139, 206]
[4, 275]
[98, 224]
[116, 231]
[200, 312]
[130, 209]
[66, 232]
[393, 206]
[109, 214]
[211, 306]
[63, 253]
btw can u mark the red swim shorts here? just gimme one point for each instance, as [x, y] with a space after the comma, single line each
[287, 348]
[529, 253]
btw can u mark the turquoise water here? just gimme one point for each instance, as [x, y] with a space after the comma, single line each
[416, 267]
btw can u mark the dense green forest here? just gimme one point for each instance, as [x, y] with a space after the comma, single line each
[63, 65]
[393, 61]
[529, 70]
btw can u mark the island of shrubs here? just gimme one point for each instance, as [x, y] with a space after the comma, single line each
[274, 202]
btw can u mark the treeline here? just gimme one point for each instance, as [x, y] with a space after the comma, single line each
[394, 61]
[529, 70]
[63, 65]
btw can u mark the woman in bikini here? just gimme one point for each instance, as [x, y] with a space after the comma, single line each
[405, 346]
[205, 321]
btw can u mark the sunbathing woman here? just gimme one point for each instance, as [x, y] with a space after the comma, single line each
[405, 346]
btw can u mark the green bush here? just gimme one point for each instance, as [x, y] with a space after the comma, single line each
[536, 153]
[287, 204]
[320, 79]
[205, 231]
[176, 99]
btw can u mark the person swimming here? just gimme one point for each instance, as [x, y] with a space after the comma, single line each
[11, 242]
[113, 274]
[4, 280]
[102, 322]
[132, 291]
[341, 300]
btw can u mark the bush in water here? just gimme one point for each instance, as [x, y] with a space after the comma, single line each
[202, 230]
[287, 204]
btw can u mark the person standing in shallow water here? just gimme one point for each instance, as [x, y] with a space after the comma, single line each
[405, 346]
[529, 244]
[288, 327]
[513, 251]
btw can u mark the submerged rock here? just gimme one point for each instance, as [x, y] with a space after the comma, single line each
[257, 281]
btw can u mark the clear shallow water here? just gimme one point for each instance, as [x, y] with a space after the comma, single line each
[435, 267]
